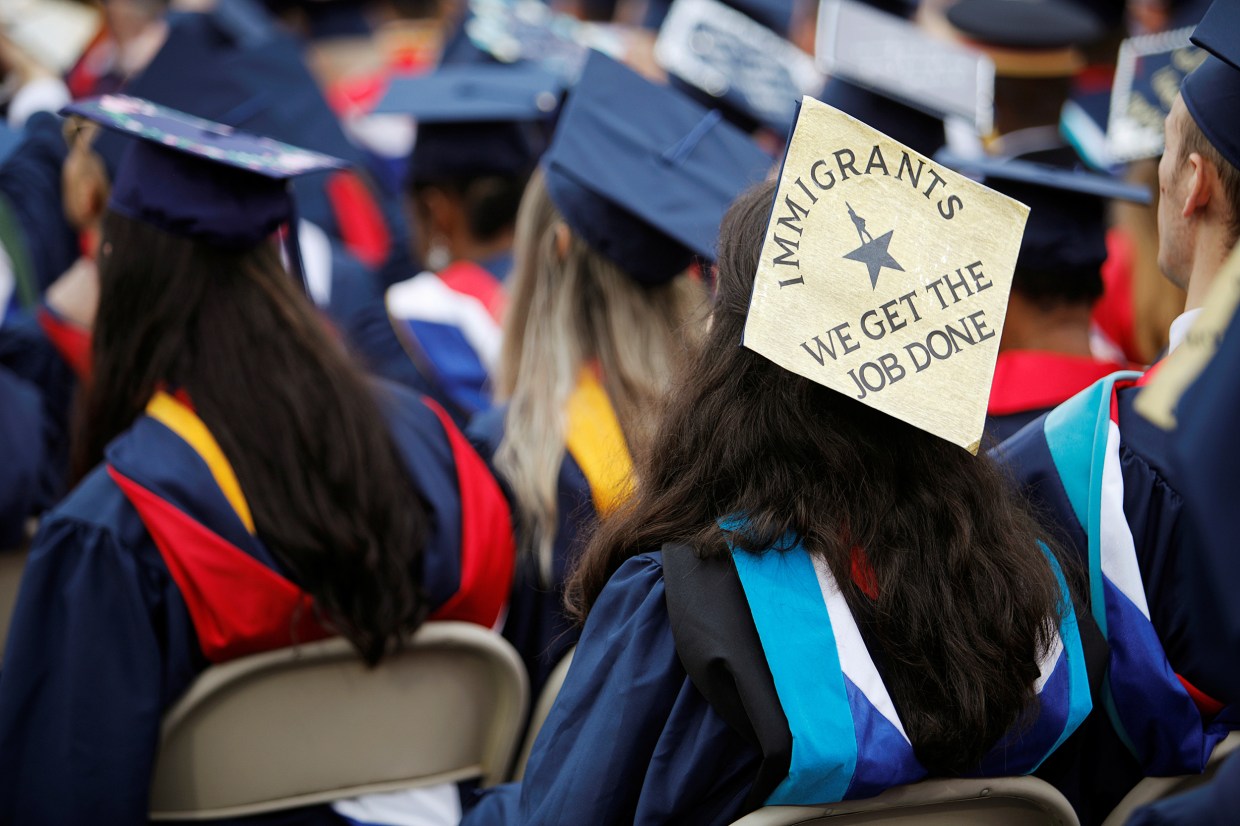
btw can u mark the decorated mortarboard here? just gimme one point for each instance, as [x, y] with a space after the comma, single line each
[885, 275]
[1148, 75]
[643, 174]
[198, 179]
[736, 61]
[1212, 91]
[487, 119]
[1066, 231]
[1027, 38]
[528, 30]
[899, 60]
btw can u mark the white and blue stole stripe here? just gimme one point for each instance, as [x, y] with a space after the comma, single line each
[847, 738]
[1149, 707]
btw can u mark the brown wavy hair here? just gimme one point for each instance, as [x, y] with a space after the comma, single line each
[296, 418]
[966, 601]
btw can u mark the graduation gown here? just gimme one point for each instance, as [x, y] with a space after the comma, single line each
[39, 387]
[35, 236]
[21, 445]
[633, 737]
[438, 333]
[1028, 383]
[1105, 479]
[593, 478]
[150, 571]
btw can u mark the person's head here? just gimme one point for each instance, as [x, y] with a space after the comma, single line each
[1199, 174]
[291, 411]
[1199, 198]
[627, 197]
[572, 309]
[965, 601]
[84, 177]
[465, 183]
[194, 298]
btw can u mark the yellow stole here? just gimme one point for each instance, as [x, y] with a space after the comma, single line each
[183, 421]
[596, 443]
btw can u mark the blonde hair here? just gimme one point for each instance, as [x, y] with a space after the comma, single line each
[567, 309]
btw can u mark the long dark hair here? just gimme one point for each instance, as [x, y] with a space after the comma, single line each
[966, 602]
[296, 419]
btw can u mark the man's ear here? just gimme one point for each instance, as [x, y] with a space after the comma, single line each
[1201, 182]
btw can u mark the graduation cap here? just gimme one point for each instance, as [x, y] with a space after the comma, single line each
[735, 62]
[885, 275]
[643, 174]
[229, 67]
[1212, 91]
[198, 179]
[1066, 231]
[1148, 75]
[527, 30]
[1027, 38]
[485, 119]
[903, 63]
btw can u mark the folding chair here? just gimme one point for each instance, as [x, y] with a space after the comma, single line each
[546, 699]
[1004, 801]
[1156, 788]
[311, 724]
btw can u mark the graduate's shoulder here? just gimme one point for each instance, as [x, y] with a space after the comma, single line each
[96, 509]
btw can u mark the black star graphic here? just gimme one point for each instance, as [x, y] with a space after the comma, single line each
[874, 255]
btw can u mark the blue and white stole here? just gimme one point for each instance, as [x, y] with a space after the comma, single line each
[1150, 708]
[847, 738]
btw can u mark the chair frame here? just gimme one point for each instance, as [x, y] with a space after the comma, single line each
[210, 720]
[1153, 789]
[939, 801]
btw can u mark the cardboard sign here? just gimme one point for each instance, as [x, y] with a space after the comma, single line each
[893, 57]
[516, 30]
[1148, 74]
[1159, 399]
[728, 55]
[885, 276]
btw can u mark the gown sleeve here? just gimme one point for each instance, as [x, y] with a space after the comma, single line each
[100, 643]
[32, 219]
[33, 363]
[629, 739]
[21, 445]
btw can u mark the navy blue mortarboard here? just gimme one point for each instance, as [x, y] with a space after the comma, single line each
[197, 179]
[1212, 91]
[1027, 38]
[724, 58]
[643, 174]
[235, 66]
[486, 119]
[911, 127]
[1066, 230]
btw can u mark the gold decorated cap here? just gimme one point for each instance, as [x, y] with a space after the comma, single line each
[885, 275]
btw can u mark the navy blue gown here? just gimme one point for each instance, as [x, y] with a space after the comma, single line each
[105, 636]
